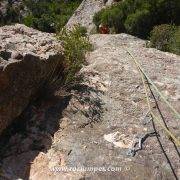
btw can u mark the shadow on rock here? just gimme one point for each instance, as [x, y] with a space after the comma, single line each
[31, 134]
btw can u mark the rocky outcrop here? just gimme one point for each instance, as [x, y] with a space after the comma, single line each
[15, 4]
[106, 116]
[84, 14]
[105, 142]
[91, 132]
[27, 57]
[3, 5]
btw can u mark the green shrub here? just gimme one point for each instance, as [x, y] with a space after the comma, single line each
[75, 43]
[44, 15]
[60, 21]
[12, 15]
[167, 12]
[139, 23]
[81, 30]
[138, 17]
[116, 19]
[49, 16]
[97, 18]
[166, 38]
[113, 17]
[175, 43]
[28, 20]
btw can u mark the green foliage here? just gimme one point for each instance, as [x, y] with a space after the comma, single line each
[166, 38]
[75, 43]
[45, 15]
[12, 14]
[97, 18]
[167, 11]
[28, 20]
[175, 43]
[49, 16]
[113, 17]
[138, 17]
[139, 23]
[81, 30]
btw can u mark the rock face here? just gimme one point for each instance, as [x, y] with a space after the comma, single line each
[3, 9]
[91, 133]
[84, 14]
[27, 58]
[103, 120]
[106, 141]
[97, 127]
[16, 4]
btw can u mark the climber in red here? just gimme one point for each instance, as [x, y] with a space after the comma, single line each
[103, 29]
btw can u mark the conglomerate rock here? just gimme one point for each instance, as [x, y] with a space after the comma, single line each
[27, 57]
[91, 133]
[85, 12]
[94, 131]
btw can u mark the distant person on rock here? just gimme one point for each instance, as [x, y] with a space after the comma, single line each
[103, 29]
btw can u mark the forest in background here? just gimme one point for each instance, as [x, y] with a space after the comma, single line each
[156, 20]
[44, 15]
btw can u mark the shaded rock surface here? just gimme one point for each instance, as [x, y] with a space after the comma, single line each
[99, 122]
[27, 57]
[16, 4]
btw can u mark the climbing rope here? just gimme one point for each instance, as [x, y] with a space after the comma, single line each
[154, 86]
[144, 77]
